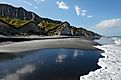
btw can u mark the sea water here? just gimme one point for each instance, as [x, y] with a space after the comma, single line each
[49, 64]
[111, 63]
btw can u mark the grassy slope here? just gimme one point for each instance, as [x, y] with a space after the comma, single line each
[16, 22]
[49, 27]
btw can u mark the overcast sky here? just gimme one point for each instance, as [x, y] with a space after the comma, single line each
[102, 16]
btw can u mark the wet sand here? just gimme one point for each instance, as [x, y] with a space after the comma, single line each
[78, 43]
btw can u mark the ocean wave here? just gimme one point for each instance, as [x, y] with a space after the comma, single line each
[111, 63]
[117, 41]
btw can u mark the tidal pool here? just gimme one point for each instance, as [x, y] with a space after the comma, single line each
[48, 64]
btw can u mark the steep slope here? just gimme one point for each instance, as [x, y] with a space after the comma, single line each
[7, 29]
[61, 29]
[30, 28]
[17, 13]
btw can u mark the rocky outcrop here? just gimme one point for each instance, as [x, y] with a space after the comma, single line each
[30, 28]
[6, 29]
[66, 29]
[61, 29]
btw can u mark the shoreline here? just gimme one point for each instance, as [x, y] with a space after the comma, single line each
[110, 63]
[29, 38]
[78, 43]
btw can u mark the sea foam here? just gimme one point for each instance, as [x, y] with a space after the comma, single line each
[111, 63]
[118, 41]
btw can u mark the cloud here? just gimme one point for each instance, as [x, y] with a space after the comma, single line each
[35, 7]
[42, 0]
[39, 1]
[109, 23]
[83, 14]
[62, 5]
[28, 3]
[84, 11]
[89, 16]
[78, 10]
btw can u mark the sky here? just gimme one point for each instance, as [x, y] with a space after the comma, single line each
[101, 16]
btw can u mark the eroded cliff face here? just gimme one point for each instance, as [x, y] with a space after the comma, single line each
[19, 21]
[30, 29]
[17, 13]
[12, 12]
[65, 29]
